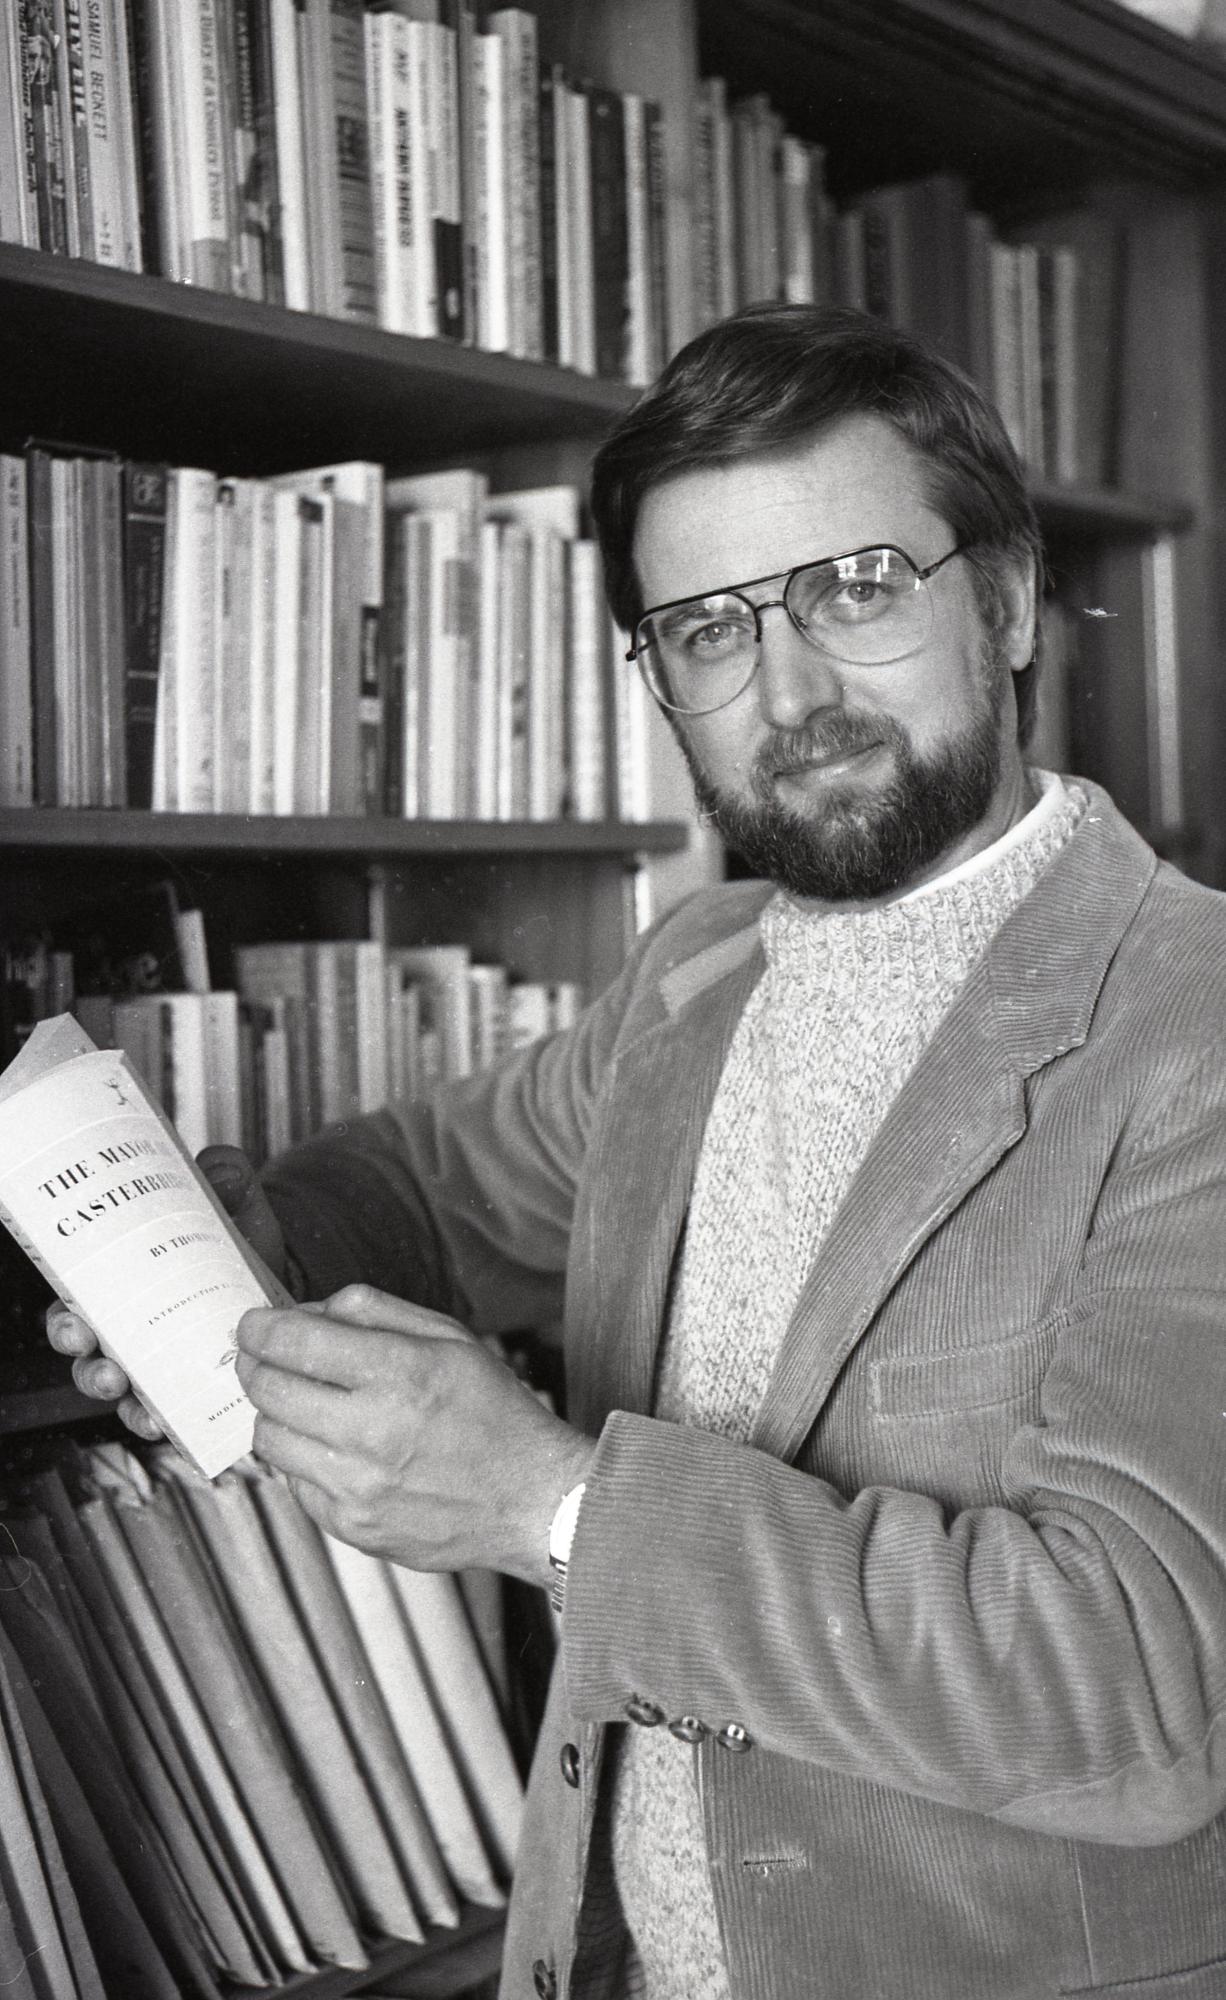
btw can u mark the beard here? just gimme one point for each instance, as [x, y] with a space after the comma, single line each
[855, 846]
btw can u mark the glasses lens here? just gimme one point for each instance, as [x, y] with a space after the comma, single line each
[869, 608]
[698, 656]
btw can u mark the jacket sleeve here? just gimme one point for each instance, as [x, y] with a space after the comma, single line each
[1059, 1660]
[463, 1202]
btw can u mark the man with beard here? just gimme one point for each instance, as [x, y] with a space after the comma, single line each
[881, 1202]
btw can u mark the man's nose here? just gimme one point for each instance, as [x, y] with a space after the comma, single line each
[793, 679]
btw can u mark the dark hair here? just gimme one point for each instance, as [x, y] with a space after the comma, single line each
[772, 375]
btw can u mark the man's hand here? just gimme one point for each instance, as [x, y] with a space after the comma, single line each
[402, 1434]
[232, 1178]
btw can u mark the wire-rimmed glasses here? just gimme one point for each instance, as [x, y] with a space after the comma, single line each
[868, 608]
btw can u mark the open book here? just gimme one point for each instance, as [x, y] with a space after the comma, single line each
[99, 1191]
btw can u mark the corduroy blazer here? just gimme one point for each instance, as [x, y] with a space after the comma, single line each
[951, 1628]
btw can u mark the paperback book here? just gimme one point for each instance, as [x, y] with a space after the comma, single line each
[98, 1189]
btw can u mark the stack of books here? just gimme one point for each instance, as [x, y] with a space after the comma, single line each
[232, 1749]
[318, 642]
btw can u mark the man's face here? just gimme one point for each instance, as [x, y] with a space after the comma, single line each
[843, 782]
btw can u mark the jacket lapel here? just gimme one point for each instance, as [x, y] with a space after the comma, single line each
[1029, 999]
[642, 1169]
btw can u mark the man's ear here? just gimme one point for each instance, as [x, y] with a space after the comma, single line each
[1018, 587]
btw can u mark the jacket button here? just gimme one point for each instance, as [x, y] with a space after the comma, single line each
[545, 1980]
[733, 1737]
[688, 1729]
[639, 1709]
[568, 1758]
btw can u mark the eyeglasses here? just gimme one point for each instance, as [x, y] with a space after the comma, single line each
[867, 609]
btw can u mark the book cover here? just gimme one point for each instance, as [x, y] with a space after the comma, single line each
[98, 1190]
[516, 29]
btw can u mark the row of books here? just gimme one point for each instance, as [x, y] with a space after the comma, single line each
[312, 1033]
[462, 186]
[233, 1749]
[400, 165]
[324, 641]
[1035, 320]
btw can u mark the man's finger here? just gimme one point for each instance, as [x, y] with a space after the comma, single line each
[365, 1305]
[68, 1334]
[311, 1344]
[317, 1410]
[233, 1180]
[94, 1375]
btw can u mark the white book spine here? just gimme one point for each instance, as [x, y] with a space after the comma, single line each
[286, 594]
[639, 369]
[261, 630]
[195, 626]
[582, 254]
[493, 324]
[16, 690]
[291, 152]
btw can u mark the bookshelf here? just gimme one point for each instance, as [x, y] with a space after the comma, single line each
[1071, 103]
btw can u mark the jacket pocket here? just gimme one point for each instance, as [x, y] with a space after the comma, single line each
[955, 1381]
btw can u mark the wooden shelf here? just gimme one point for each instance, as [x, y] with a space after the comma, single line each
[1031, 103]
[50, 829]
[159, 370]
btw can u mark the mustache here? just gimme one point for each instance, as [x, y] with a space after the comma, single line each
[840, 733]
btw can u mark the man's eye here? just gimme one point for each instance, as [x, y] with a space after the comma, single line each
[714, 638]
[859, 597]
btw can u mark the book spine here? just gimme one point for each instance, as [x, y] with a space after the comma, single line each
[42, 88]
[152, 193]
[553, 209]
[288, 84]
[74, 128]
[247, 235]
[103, 139]
[112, 634]
[209, 172]
[659, 336]
[448, 234]
[18, 179]
[610, 233]
[336, 41]
[516, 28]
[582, 232]
[144, 550]
[638, 357]
[493, 324]
[16, 692]
[42, 627]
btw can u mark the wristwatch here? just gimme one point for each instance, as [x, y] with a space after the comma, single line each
[561, 1538]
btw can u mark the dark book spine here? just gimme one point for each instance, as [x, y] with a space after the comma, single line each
[657, 236]
[610, 233]
[144, 547]
[38, 47]
[42, 626]
[551, 82]
[392, 663]
[148, 195]
[260, 193]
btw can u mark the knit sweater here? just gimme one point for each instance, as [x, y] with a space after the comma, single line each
[845, 1007]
